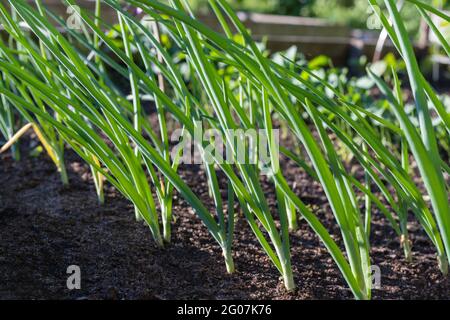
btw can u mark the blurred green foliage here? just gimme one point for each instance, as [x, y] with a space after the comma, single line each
[353, 13]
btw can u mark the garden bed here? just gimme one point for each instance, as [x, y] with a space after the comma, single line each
[368, 171]
[45, 227]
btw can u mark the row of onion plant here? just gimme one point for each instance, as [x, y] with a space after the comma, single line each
[72, 94]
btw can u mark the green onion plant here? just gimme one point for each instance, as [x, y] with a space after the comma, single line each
[61, 84]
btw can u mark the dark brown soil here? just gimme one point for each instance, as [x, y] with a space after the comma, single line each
[45, 227]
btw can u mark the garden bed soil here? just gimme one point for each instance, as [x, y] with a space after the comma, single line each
[45, 227]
